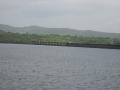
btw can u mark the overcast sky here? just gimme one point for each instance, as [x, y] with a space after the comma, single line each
[99, 15]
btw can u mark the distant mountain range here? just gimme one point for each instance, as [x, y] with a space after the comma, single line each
[59, 31]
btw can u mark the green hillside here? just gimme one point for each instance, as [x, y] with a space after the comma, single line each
[8, 37]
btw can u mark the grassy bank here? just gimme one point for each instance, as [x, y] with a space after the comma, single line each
[62, 40]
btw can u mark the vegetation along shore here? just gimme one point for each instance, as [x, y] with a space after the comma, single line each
[59, 40]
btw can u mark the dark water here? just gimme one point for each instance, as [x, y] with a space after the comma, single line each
[32, 67]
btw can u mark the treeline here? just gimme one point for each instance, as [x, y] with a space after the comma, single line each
[8, 37]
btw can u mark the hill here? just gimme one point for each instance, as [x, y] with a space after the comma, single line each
[60, 31]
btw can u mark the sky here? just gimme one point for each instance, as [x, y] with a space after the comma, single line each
[98, 15]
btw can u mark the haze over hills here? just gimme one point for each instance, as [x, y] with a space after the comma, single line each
[59, 31]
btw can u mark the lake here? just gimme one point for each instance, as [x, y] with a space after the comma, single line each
[39, 67]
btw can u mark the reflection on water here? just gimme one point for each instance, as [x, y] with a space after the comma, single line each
[32, 67]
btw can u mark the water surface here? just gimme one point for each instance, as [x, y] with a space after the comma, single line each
[38, 67]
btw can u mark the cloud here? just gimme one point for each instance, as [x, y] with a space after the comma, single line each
[101, 15]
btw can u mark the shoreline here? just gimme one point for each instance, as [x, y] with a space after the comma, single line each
[106, 46]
